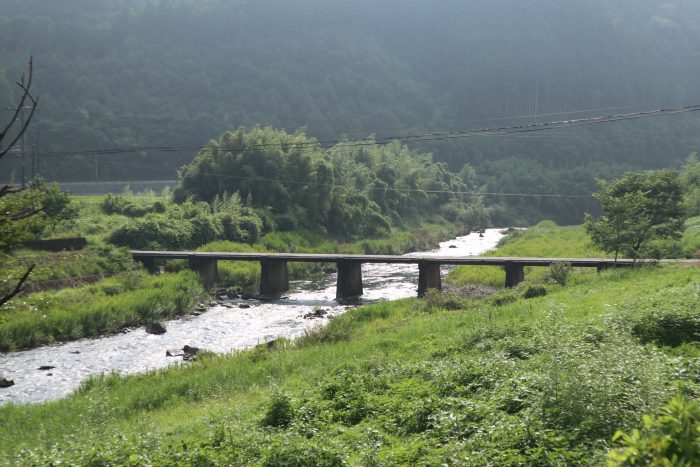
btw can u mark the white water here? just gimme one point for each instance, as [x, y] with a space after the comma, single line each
[220, 329]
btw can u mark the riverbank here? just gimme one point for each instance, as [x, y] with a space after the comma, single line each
[230, 324]
[542, 380]
[133, 298]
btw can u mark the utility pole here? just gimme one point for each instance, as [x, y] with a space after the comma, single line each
[23, 142]
[24, 168]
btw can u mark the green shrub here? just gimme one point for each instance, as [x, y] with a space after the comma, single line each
[204, 229]
[112, 204]
[559, 272]
[532, 291]
[155, 231]
[435, 300]
[670, 317]
[301, 454]
[251, 228]
[505, 297]
[280, 411]
[667, 327]
[670, 437]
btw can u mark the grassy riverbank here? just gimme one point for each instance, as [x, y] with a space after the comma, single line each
[547, 239]
[131, 297]
[439, 381]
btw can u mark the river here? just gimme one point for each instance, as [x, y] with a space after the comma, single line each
[221, 329]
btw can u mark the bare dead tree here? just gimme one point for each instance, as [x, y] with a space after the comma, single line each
[10, 134]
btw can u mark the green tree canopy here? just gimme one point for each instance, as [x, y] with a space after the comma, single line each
[639, 207]
[349, 190]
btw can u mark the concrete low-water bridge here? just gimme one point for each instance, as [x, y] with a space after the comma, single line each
[274, 279]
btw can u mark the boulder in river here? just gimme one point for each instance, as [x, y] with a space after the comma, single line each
[154, 327]
[5, 383]
[243, 305]
[46, 367]
[190, 352]
[453, 246]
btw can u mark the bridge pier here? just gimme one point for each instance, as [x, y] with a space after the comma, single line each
[428, 277]
[206, 268]
[274, 278]
[515, 274]
[349, 284]
[148, 263]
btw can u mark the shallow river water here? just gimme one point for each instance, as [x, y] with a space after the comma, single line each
[220, 329]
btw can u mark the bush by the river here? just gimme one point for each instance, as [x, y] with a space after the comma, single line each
[190, 224]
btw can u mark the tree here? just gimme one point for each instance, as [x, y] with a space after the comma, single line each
[15, 212]
[639, 207]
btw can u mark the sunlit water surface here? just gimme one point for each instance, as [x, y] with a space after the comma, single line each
[220, 329]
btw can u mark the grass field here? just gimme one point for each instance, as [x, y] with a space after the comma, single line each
[442, 380]
[446, 379]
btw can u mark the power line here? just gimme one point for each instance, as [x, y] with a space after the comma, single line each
[258, 178]
[434, 136]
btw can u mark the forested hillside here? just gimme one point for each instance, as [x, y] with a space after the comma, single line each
[139, 73]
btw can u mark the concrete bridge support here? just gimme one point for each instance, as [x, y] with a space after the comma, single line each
[207, 270]
[515, 274]
[349, 280]
[428, 277]
[274, 278]
[148, 263]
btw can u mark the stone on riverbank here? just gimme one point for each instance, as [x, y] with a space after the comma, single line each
[154, 327]
[6, 383]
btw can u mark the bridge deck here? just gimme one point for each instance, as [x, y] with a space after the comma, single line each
[390, 259]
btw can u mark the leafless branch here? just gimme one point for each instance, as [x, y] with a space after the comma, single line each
[26, 214]
[18, 288]
[9, 189]
[23, 104]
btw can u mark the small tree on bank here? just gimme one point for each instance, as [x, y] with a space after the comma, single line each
[639, 207]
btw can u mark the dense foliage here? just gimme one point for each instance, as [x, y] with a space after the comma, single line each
[671, 436]
[164, 225]
[109, 76]
[348, 191]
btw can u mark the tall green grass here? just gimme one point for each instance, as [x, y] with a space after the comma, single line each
[543, 381]
[122, 301]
